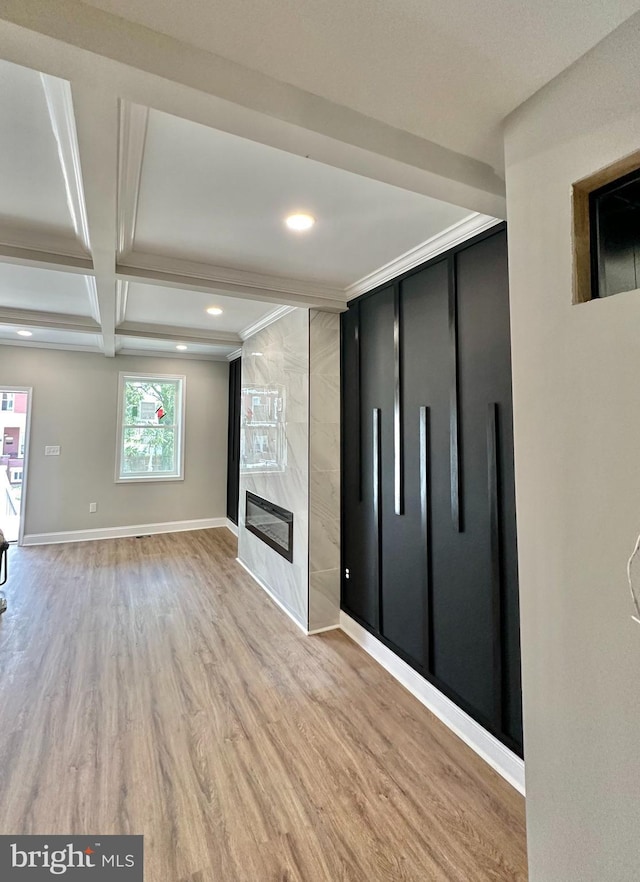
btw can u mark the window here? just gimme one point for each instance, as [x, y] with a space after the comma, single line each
[16, 476]
[606, 231]
[7, 401]
[150, 428]
[615, 236]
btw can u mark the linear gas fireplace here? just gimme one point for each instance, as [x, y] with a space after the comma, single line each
[272, 524]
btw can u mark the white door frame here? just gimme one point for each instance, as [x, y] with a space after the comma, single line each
[27, 443]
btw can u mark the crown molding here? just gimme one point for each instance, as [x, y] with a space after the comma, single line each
[454, 235]
[237, 353]
[264, 322]
[57, 93]
[173, 272]
[132, 135]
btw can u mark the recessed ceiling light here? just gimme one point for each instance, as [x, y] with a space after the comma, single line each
[25, 333]
[214, 310]
[181, 347]
[300, 222]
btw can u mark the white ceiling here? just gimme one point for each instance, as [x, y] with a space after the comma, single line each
[34, 288]
[187, 309]
[447, 71]
[216, 198]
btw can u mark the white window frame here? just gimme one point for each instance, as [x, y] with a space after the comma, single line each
[138, 477]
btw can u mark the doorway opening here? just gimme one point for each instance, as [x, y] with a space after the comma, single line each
[14, 442]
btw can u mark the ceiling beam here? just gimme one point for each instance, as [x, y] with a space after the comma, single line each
[155, 70]
[180, 335]
[96, 116]
[30, 318]
[170, 272]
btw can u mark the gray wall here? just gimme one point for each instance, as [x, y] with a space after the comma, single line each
[75, 405]
[576, 373]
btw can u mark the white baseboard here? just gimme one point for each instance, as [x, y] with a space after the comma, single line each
[122, 532]
[499, 757]
[232, 527]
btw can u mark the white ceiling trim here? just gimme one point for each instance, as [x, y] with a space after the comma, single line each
[264, 322]
[43, 241]
[449, 238]
[190, 356]
[187, 335]
[237, 353]
[49, 320]
[190, 275]
[96, 115]
[122, 296]
[133, 132]
[92, 293]
[44, 259]
[57, 94]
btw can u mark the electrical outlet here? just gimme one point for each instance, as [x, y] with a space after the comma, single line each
[52, 450]
[93, 507]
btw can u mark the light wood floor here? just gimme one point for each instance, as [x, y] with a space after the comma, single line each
[149, 686]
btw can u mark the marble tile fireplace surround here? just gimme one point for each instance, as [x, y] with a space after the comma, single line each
[290, 457]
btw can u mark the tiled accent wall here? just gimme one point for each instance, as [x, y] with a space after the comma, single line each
[324, 470]
[299, 356]
[278, 358]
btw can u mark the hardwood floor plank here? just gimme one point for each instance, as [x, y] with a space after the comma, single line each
[150, 686]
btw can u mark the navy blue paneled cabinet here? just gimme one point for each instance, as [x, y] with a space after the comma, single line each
[428, 502]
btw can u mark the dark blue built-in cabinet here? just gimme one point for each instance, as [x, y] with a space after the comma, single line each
[428, 505]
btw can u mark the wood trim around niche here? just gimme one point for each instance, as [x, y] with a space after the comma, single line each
[581, 226]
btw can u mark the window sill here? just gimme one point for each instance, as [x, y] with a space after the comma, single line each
[140, 479]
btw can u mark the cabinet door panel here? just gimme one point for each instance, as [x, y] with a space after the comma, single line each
[424, 372]
[359, 591]
[485, 379]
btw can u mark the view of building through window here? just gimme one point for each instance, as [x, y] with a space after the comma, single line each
[13, 424]
[150, 427]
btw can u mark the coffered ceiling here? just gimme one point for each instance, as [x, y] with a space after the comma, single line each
[121, 225]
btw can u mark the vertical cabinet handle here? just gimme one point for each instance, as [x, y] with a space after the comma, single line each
[454, 455]
[425, 511]
[398, 462]
[493, 475]
[377, 510]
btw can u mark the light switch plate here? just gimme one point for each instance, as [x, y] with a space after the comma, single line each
[52, 450]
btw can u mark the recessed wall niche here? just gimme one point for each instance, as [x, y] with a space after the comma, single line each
[606, 231]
